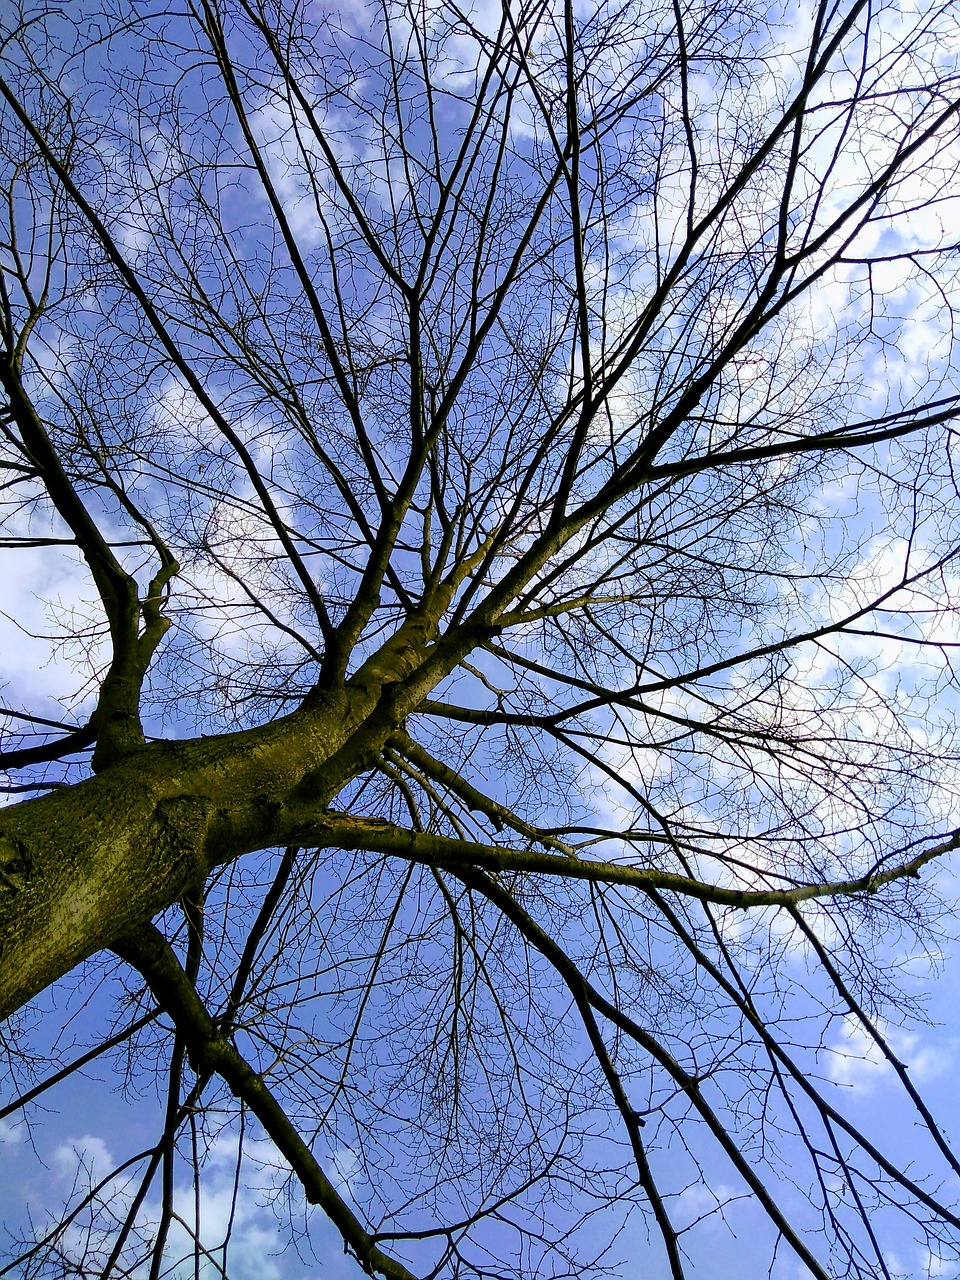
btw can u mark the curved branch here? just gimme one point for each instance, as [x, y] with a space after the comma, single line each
[345, 831]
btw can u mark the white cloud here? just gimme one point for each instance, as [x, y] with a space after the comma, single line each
[934, 1266]
[239, 1212]
[89, 1153]
[699, 1201]
[44, 590]
[853, 1058]
[346, 1167]
[10, 1134]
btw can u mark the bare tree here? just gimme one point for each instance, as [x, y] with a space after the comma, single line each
[510, 457]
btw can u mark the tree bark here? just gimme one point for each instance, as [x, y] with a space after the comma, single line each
[83, 865]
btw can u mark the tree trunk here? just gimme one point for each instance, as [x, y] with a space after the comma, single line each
[82, 865]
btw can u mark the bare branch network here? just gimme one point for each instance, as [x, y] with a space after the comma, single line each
[481, 533]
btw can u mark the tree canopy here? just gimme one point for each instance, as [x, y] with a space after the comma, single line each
[480, 512]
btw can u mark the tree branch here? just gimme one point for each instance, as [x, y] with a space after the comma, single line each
[347, 831]
[210, 1051]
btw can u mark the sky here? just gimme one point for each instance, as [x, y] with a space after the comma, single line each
[89, 1128]
[98, 1119]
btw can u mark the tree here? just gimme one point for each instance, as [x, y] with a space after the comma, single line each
[510, 458]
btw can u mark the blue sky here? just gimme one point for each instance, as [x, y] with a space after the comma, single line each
[368, 975]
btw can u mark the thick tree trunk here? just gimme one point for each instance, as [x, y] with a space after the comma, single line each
[83, 865]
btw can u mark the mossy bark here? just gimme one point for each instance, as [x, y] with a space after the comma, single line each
[82, 865]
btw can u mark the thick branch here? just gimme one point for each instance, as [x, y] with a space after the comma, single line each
[20, 757]
[376, 834]
[211, 1052]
